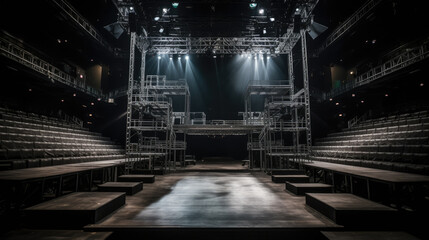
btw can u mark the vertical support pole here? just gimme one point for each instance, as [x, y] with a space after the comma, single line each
[306, 89]
[130, 98]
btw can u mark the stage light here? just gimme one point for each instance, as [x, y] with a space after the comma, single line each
[80, 76]
[261, 56]
[248, 57]
[171, 57]
[30, 89]
[175, 4]
[98, 99]
[272, 19]
[92, 104]
[131, 8]
[159, 57]
[253, 5]
[214, 56]
[179, 57]
[353, 95]
[340, 115]
[62, 100]
[187, 57]
[161, 30]
[337, 103]
[351, 72]
[90, 114]
[164, 10]
[268, 57]
[386, 95]
[422, 84]
[362, 101]
[261, 11]
[255, 57]
[297, 10]
[156, 18]
[264, 31]
[330, 99]
[74, 94]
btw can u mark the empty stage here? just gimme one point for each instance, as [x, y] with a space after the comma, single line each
[209, 200]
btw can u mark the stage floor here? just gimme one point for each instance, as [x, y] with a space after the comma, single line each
[214, 200]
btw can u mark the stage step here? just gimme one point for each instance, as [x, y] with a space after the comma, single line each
[130, 188]
[290, 178]
[349, 209]
[190, 162]
[148, 172]
[74, 210]
[287, 172]
[137, 178]
[365, 235]
[303, 188]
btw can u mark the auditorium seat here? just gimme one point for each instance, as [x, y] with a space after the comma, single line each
[30, 140]
[399, 143]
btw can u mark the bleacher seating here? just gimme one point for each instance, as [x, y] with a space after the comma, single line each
[399, 143]
[31, 140]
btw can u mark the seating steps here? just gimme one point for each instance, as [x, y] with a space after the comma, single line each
[29, 140]
[399, 143]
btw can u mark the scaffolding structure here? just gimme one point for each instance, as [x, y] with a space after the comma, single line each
[279, 132]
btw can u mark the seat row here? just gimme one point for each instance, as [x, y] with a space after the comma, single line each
[35, 118]
[377, 135]
[10, 129]
[400, 128]
[388, 123]
[44, 153]
[377, 148]
[387, 141]
[13, 144]
[38, 126]
[50, 138]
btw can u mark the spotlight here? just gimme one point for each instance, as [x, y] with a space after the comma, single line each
[156, 18]
[159, 57]
[98, 99]
[386, 95]
[255, 57]
[330, 99]
[164, 10]
[337, 103]
[248, 57]
[264, 31]
[30, 89]
[74, 94]
[171, 57]
[179, 57]
[214, 56]
[92, 104]
[422, 84]
[261, 11]
[131, 8]
[261, 56]
[362, 101]
[340, 115]
[353, 95]
[187, 57]
[351, 72]
[175, 4]
[272, 19]
[161, 30]
[81, 76]
[62, 100]
[253, 5]
[297, 10]
[90, 114]
[268, 57]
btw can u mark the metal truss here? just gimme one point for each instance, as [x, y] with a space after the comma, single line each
[349, 23]
[82, 23]
[402, 59]
[222, 45]
[19, 54]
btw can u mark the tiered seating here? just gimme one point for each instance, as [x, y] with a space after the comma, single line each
[30, 140]
[398, 143]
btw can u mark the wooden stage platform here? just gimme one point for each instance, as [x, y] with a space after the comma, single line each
[237, 202]
[25, 187]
